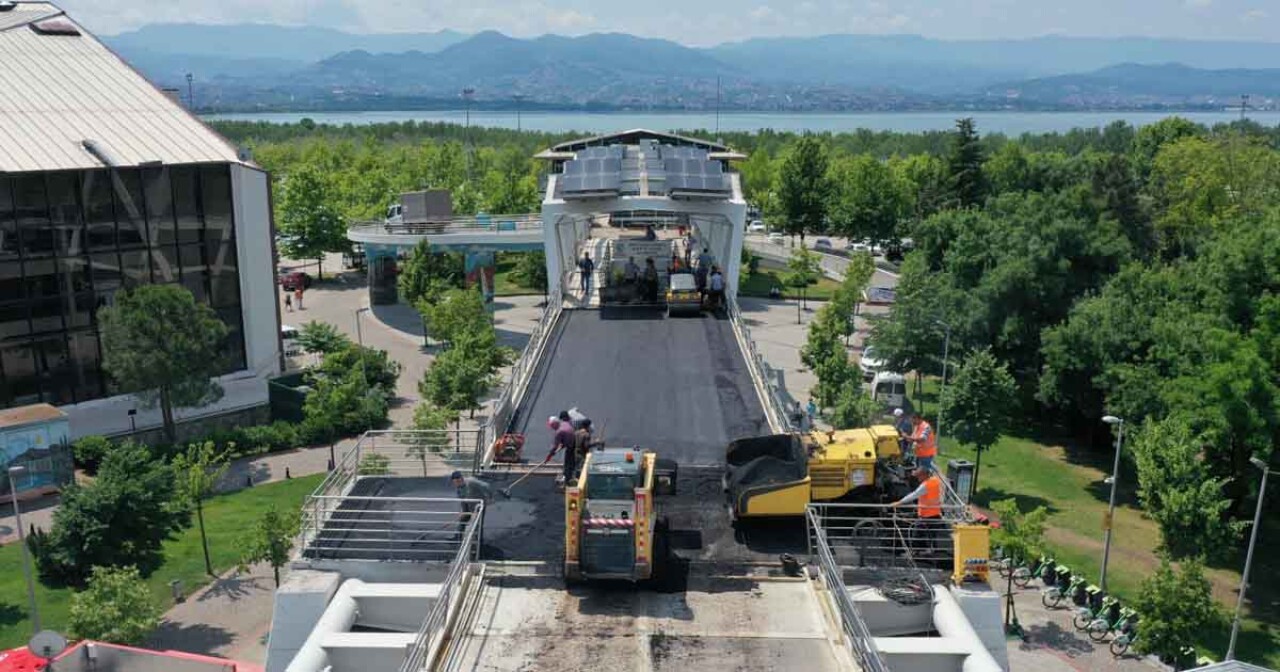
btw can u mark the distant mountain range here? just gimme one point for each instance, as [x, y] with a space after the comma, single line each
[315, 68]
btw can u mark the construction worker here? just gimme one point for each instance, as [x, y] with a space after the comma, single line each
[469, 489]
[928, 499]
[903, 425]
[563, 441]
[582, 444]
[924, 441]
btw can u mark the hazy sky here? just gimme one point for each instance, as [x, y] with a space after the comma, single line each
[701, 22]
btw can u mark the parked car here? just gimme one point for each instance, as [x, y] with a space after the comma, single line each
[890, 389]
[777, 238]
[289, 340]
[871, 363]
[823, 244]
[292, 280]
[856, 246]
[756, 227]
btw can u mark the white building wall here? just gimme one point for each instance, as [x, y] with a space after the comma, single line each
[242, 389]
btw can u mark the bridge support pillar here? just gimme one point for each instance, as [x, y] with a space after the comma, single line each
[481, 267]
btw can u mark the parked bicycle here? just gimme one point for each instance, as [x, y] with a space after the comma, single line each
[1066, 587]
[1101, 627]
[1088, 606]
[1042, 567]
[1125, 638]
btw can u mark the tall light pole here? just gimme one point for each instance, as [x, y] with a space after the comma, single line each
[360, 341]
[519, 99]
[467, 94]
[1111, 508]
[191, 95]
[14, 473]
[1248, 558]
[946, 351]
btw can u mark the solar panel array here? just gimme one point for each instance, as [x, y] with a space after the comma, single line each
[596, 170]
[615, 170]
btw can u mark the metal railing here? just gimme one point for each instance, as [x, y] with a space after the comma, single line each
[390, 453]
[522, 371]
[451, 594]
[418, 529]
[875, 535]
[771, 398]
[856, 633]
[516, 223]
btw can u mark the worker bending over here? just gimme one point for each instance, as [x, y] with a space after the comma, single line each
[924, 441]
[563, 441]
[469, 489]
[928, 499]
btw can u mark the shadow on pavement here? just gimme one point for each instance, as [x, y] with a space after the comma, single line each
[195, 638]
[234, 587]
[1053, 636]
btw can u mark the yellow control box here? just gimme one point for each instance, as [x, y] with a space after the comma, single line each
[973, 551]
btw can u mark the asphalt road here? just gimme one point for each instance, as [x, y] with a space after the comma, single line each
[679, 386]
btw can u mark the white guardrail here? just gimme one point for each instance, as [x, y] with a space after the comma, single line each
[430, 635]
[770, 397]
[857, 635]
[522, 371]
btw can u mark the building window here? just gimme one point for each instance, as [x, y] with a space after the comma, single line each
[70, 240]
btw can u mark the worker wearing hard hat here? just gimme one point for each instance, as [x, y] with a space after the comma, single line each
[924, 441]
[903, 424]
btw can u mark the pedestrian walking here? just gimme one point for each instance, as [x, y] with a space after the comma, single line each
[471, 491]
[811, 410]
[716, 285]
[288, 302]
[586, 267]
[297, 297]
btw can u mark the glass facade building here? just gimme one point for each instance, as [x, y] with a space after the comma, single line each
[69, 240]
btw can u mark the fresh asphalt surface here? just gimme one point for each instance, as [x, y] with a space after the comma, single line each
[679, 386]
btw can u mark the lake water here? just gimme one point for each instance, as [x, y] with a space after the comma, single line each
[1009, 123]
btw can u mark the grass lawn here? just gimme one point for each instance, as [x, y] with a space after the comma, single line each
[226, 518]
[504, 284]
[1069, 483]
[770, 275]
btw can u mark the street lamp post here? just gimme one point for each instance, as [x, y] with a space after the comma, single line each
[14, 472]
[946, 351]
[519, 99]
[1111, 508]
[360, 342]
[1248, 558]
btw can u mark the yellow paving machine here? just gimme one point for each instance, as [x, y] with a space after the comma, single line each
[779, 475]
[612, 526]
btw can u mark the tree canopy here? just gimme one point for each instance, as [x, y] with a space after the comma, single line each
[163, 346]
[116, 607]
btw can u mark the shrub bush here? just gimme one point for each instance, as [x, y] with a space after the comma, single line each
[89, 451]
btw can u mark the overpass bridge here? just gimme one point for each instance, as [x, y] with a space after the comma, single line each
[395, 573]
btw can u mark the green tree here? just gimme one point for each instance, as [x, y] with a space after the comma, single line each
[120, 519]
[824, 354]
[804, 187]
[375, 366]
[89, 451]
[116, 607]
[322, 338]
[803, 269]
[427, 274]
[343, 404]
[199, 470]
[511, 186]
[310, 222]
[1176, 607]
[978, 404]
[1177, 491]
[531, 270]
[432, 421]
[271, 540]
[1021, 534]
[964, 166]
[869, 199]
[460, 376]
[160, 344]
[853, 408]
[1151, 138]
[458, 312]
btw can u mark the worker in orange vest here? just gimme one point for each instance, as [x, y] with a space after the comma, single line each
[928, 499]
[925, 442]
[928, 496]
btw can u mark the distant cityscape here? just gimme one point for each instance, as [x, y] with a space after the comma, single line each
[289, 69]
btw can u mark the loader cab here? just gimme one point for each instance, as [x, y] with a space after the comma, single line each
[610, 517]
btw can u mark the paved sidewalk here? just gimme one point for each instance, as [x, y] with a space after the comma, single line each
[229, 617]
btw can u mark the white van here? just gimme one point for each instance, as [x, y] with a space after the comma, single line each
[889, 389]
[289, 341]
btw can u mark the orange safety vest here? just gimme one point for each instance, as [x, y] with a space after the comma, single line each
[930, 503]
[929, 446]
